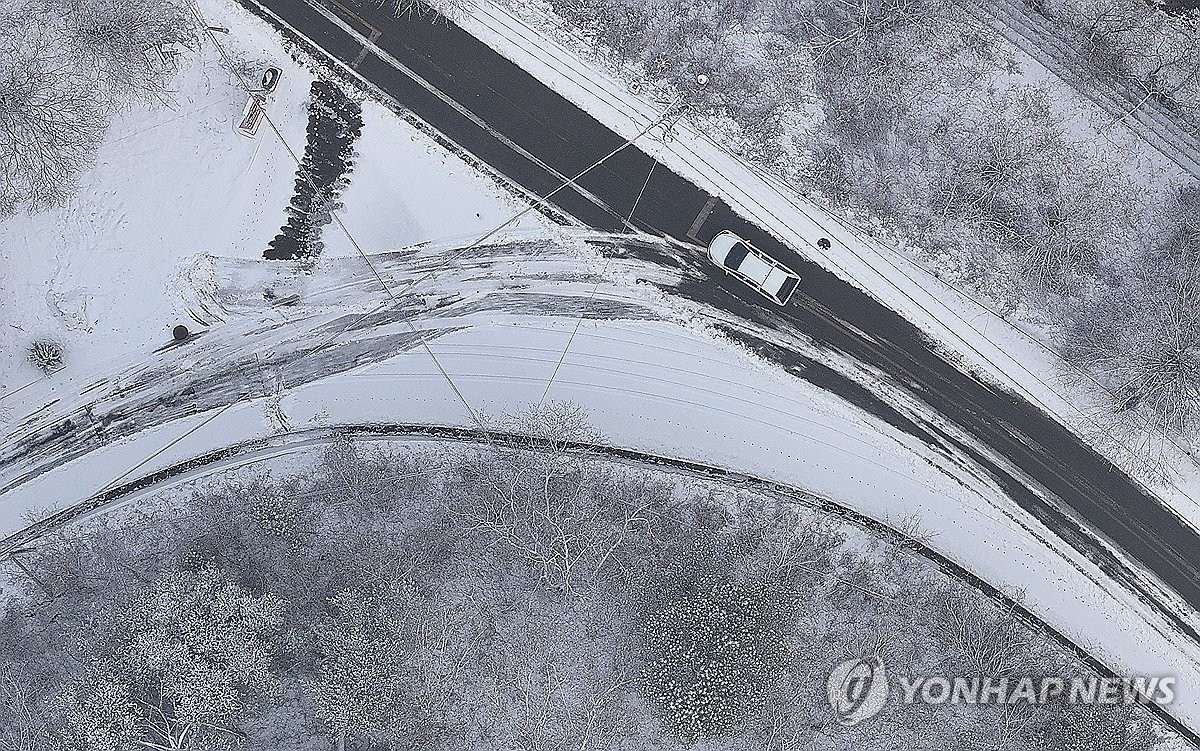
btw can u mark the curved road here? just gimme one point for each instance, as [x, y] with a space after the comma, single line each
[245, 452]
[506, 118]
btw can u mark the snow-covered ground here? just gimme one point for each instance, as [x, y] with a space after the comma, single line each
[653, 381]
[175, 216]
[992, 346]
[175, 182]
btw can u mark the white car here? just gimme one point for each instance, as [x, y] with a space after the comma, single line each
[771, 278]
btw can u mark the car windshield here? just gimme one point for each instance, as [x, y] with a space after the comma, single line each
[736, 255]
[786, 288]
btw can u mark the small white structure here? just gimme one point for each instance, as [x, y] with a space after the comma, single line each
[256, 105]
[252, 115]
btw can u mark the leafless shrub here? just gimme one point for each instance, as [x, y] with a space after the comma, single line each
[1142, 339]
[1134, 439]
[449, 9]
[551, 425]
[47, 355]
[119, 39]
[1136, 43]
[986, 641]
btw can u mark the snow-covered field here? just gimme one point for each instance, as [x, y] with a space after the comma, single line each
[174, 183]
[651, 381]
[179, 208]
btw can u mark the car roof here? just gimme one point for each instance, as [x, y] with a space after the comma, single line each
[767, 275]
[718, 249]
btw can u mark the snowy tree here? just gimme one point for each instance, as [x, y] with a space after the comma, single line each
[710, 651]
[713, 631]
[51, 121]
[364, 683]
[192, 650]
[1094, 727]
[46, 355]
[101, 714]
[118, 39]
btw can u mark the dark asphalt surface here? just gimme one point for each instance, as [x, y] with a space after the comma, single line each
[1058, 478]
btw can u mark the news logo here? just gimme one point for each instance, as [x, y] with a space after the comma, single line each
[858, 689]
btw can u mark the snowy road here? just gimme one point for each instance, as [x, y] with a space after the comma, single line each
[996, 483]
[507, 118]
[653, 380]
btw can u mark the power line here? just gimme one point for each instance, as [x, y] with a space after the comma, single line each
[475, 417]
[772, 180]
[596, 286]
[472, 413]
[543, 199]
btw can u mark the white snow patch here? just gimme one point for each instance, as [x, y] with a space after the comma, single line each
[107, 274]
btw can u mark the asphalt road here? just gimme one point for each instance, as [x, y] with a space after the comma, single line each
[535, 137]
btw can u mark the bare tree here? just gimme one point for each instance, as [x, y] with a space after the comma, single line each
[1134, 42]
[23, 722]
[51, 121]
[1101, 21]
[566, 515]
[1180, 246]
[548, 699]
[120, 39]
[1005, 167]
[1143, 340]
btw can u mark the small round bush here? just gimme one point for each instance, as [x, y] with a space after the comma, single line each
[47, 355]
